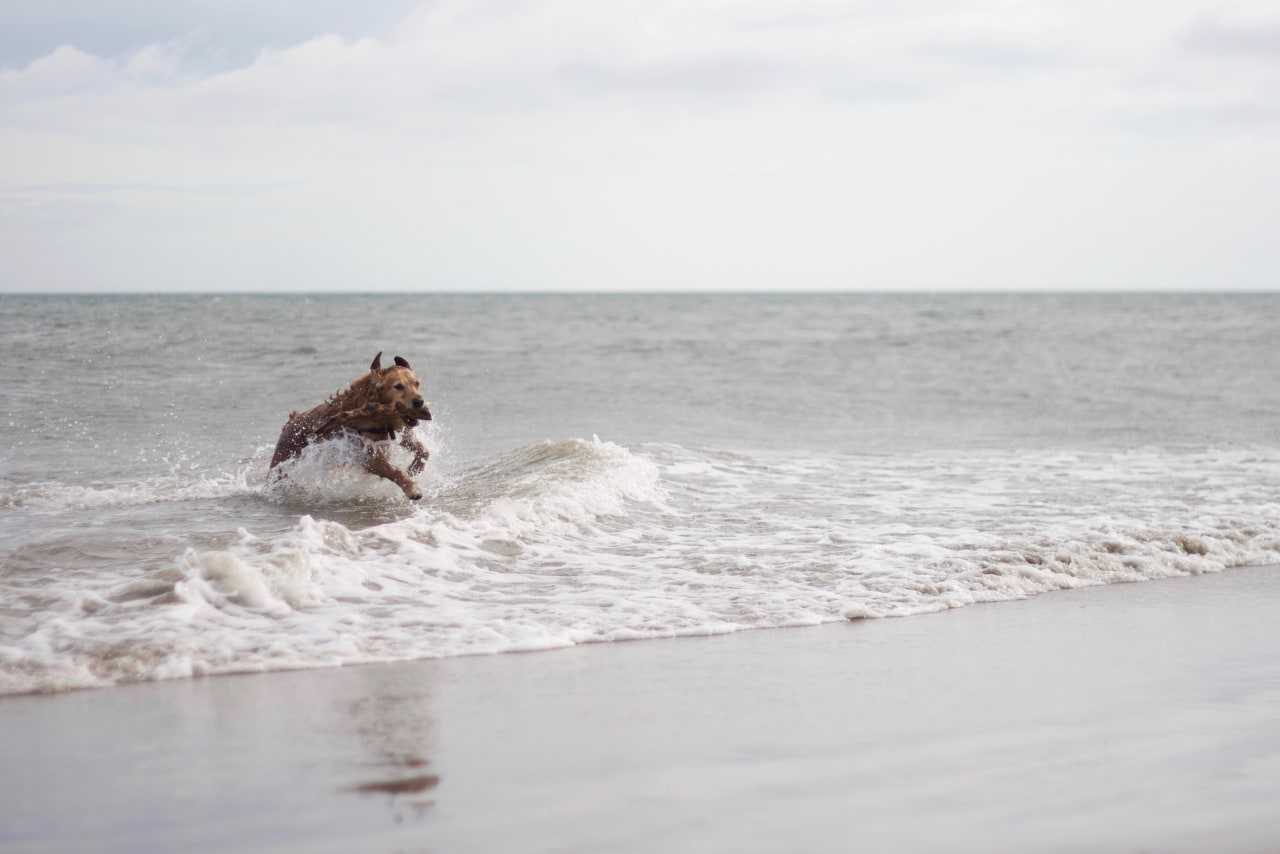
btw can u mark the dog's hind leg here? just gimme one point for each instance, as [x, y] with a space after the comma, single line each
[293, 438]
[376, 462]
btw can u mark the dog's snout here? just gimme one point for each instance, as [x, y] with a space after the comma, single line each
[417, 403]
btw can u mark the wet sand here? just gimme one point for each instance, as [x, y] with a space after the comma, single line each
[1138, 717]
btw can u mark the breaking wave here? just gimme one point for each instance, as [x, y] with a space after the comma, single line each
[575, 541]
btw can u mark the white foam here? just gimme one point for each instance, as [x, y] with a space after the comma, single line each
[176, 486]
[576, 541]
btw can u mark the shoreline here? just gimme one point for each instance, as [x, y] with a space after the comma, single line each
[852, 616]
[1112, 718]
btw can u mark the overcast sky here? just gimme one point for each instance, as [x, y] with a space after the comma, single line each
[586, 145]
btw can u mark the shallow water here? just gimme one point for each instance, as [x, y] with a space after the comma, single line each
[608, 467]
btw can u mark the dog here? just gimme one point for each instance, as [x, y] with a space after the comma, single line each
[374, 408]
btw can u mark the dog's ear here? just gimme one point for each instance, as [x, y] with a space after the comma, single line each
[402, 363]
[376, 364]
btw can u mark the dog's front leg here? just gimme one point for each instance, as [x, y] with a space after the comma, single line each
[376, 462]
[410, 443]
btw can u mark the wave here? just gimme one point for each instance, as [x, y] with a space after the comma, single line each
[177, 485]
[327, 473]
[574, 541]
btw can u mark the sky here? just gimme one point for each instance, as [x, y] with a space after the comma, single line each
[564, 145]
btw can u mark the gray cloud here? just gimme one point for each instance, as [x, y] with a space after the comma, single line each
[852, 88]
[737, 77]
[997, 54]
[221, 35]
[75, 189]
[1192, 121]
[1259, 39]
[701, 76]
[799, 17]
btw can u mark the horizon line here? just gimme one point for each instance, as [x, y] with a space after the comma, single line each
[663, 292]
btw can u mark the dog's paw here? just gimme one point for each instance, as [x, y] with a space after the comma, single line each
[415, 496]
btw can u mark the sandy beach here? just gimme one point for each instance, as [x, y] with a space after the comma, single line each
[1123, 718]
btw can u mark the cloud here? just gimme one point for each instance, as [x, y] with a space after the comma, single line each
[1219, 77]
[66, 69]
[1257, 39]
[568, 144]
[714, 76]
[1209, 118]
[214, 36]
[998, 55]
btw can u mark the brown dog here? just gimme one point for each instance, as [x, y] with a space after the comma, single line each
[374, 407]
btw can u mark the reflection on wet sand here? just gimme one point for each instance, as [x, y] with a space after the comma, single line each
[395, 730]
[406, 786]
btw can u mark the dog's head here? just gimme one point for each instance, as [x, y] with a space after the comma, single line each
[399, 386]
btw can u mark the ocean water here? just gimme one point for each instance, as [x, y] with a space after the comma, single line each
[607, 468]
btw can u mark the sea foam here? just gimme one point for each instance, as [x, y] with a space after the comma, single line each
[575, 541]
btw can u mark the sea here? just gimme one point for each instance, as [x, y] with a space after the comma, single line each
[608, 468]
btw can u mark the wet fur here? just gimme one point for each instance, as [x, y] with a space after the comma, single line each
[372, 408]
